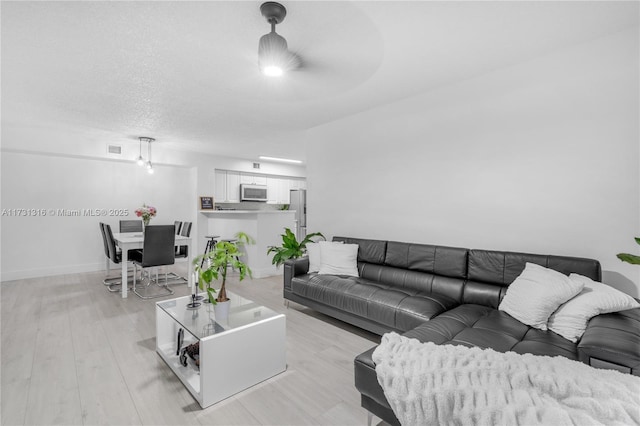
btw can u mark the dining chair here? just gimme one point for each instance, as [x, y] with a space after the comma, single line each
[113, 254]
[182, 252]
[185, 232]
[178, 226]
[109, 282]
[157, 250]
[130, 226]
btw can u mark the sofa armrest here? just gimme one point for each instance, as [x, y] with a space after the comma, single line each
[613, 341]
[294, 267]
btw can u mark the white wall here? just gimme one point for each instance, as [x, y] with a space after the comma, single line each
[541, 157]
[55, 244]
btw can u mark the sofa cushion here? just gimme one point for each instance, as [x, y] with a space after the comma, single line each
[571, 318]
[491, 272]
[338, 259]
[485, 327]
[537, 293]
[444, 261]
[614, 338]
[396, 308]
[413, 281]
[313, 252]
[502, 267]
[340, 292]
[370, 251]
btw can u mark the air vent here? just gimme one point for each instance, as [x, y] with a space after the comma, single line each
[256, 165]
[114, 149]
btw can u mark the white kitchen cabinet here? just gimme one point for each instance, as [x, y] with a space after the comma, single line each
[272, 190]
[297, 184]
[233, 187]
[294, 184]
[227, 186]
[220, 194]
[251, 179]
[283, 191]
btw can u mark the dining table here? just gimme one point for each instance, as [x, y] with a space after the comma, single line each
[134, 240]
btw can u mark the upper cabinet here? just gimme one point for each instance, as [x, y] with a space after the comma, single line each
[227, 186]
[220, 194]
[251, 179]
[272, 190]
[233, 187]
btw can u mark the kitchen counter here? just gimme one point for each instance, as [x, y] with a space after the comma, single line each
[264, 226]
[218, 212]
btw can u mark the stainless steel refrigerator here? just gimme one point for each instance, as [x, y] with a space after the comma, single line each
[298, 202]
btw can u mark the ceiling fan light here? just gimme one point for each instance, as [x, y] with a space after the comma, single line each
[273, 54]
[272, 71]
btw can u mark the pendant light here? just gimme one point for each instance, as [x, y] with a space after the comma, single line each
[149, 165]
[140, 160]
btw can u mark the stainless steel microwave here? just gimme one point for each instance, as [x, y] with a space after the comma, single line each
[253, 192]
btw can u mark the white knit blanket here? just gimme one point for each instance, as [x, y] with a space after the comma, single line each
[429, 384]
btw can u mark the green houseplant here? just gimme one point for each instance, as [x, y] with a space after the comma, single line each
[291, 248]
[630, 258]
[216, 263]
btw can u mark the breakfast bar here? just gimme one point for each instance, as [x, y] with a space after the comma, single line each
[264, 226]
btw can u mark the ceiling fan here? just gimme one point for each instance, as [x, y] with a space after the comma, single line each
[274, 56]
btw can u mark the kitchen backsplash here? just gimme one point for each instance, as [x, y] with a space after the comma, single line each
[249, 205]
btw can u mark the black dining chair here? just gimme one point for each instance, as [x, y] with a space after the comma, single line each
[114, 254]
[130, 226]
[109, 282]
[157, 250]
[182, 252]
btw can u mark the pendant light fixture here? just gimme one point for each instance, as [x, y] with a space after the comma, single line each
[140, 160]
[274, 57]
[149, 165]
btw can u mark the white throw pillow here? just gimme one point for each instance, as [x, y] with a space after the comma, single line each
[571, 318]
[338, 259]
[537, 293]
[313, 251]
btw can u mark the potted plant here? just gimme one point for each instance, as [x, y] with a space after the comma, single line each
[630, 258]
[215, 264]
[291, 248]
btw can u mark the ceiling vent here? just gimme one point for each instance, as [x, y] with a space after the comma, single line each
[114, 149]
[256, 165]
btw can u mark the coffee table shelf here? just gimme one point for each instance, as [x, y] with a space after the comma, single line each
[235, 353]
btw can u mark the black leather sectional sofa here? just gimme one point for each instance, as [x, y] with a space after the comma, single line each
[450, 295]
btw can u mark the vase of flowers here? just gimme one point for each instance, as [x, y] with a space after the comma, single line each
[146, 213]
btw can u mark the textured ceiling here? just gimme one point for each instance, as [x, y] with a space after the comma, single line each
[186, 72]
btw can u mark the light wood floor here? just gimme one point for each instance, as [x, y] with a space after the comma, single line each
[75, 354]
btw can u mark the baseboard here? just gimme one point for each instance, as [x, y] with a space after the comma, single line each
[55, 270]
[266, 272]
[95, 267]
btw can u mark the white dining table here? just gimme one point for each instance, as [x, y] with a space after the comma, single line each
[134, 240]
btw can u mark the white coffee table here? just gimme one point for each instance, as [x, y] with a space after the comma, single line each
[235, 354]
